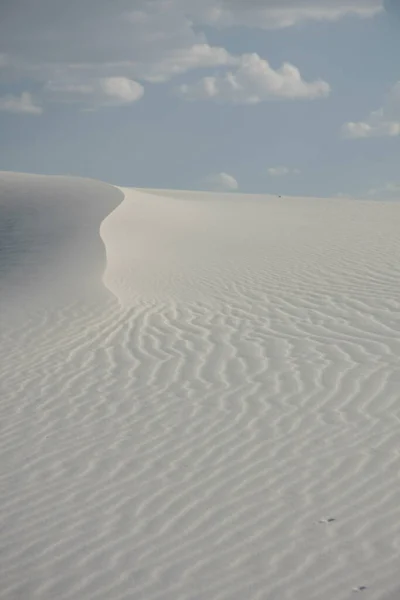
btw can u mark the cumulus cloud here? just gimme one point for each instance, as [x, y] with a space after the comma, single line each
[282, 171]
[23, 104]
[384, 122]
[254, 81]
[222, 182]
[104, 91]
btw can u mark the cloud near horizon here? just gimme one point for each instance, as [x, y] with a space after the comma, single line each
[391, 190]
[384, 122]
[222, 182]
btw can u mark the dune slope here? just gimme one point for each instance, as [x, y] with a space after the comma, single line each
[199, 395]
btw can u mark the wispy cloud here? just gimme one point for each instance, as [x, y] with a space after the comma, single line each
[277, 14]
[391, 189]
[103, 91]
[23, 104]
[282, 171]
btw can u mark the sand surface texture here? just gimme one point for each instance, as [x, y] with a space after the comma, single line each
[199, 395]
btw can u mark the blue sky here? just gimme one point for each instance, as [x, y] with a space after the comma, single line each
[283, 96]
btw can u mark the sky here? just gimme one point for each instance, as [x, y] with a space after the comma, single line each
[298, 97]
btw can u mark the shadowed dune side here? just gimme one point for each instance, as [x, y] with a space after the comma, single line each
[50, 245]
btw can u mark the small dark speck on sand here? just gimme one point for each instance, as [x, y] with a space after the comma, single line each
[329, 520]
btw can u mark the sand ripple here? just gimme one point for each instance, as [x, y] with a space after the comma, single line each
[228, 429]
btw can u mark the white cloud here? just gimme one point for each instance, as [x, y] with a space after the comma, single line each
[121, 89]
[384, 122]
[223, 182]
[282, 171]
[254, 81]
[104, 91]
[20, 104]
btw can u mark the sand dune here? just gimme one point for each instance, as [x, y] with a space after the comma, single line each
[199, 395]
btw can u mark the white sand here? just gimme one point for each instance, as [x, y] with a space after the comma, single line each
[218, 419]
